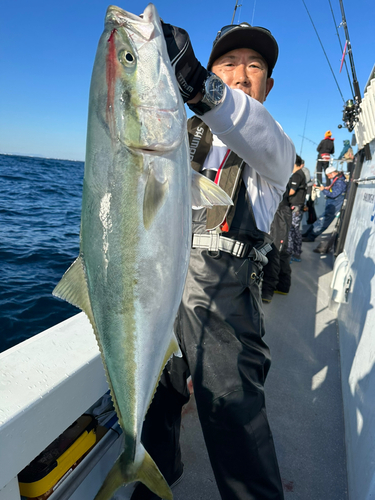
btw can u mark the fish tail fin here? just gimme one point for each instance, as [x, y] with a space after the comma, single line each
[112, 482]
[150, 476]
[148, 473]
[205, 193]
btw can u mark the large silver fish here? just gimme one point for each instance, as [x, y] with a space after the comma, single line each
[135, 225]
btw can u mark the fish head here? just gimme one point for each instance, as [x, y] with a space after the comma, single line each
[134, 86]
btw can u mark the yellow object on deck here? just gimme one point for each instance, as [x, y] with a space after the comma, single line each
[58, 458]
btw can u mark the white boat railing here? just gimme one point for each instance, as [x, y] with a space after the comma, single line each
[365, 127]
[46, 383]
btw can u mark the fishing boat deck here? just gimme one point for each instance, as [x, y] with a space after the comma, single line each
[303, 391]
[303, 394]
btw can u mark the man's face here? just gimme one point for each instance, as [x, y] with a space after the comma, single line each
[331, 175]
[246, 70]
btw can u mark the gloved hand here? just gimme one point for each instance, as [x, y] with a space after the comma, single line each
[189, 72]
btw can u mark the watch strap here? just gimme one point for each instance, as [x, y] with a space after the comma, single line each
[200, 108]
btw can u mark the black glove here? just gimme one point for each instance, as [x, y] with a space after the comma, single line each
[189, 72]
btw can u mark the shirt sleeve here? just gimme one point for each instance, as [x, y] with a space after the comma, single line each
[247, 128]
[295, 182]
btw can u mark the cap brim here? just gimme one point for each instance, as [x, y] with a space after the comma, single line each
[247, 37]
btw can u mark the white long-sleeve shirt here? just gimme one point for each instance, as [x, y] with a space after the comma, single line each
[244, 126]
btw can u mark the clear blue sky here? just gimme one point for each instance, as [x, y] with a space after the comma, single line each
[47, 51]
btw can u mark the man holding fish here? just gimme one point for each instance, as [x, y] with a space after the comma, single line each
[139, 266]
[236, 143]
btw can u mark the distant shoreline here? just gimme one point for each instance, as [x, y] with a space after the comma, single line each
[40, 156]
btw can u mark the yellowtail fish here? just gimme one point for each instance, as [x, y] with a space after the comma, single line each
[135, 225]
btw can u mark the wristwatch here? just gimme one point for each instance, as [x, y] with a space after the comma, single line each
[213, 90]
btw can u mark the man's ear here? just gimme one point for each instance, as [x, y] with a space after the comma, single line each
[269, 85]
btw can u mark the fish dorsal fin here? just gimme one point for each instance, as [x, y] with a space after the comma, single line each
[73, 288]
[205, 193]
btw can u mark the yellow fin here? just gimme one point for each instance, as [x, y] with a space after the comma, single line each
[148, 473]
[205, 193]
[155, 192]
[73, 288]
[112, 482]
[173, 348]
[150, 476]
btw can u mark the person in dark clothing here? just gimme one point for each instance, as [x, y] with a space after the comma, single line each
[326, 148]
[309, 201]
[297, 195]
[220, 324]
[277, 273]
[335, 194]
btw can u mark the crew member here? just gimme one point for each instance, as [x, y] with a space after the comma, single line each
[220, 326]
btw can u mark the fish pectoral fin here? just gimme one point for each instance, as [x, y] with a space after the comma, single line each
[205, 193]
[148, 473]
[155, 192]
[173, 348]
[73, 288]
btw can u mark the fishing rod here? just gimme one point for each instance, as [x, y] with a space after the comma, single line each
[234, 12]
[343, 50]
[304, 137]
[357, 92]
[352, 106]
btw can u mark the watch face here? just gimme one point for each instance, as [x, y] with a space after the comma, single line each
[215, 89]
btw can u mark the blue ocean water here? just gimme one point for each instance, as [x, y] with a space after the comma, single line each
[40, 211]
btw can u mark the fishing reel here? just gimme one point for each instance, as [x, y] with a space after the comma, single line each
[350, 114]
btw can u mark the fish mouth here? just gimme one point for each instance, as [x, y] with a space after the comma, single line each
[152, 150]
[118, 17]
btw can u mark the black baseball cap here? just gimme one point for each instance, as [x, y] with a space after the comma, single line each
[245, 36]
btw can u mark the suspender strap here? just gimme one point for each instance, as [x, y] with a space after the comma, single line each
[228, 178]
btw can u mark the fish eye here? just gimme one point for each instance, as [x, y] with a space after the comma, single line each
[127, 58]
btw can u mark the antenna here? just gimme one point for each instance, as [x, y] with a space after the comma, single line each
[234, 12]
